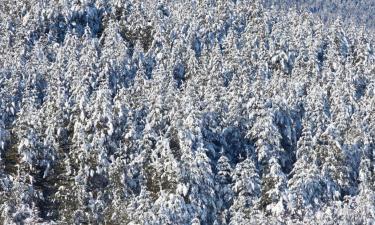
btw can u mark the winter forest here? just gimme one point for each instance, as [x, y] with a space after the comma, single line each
[182, 112]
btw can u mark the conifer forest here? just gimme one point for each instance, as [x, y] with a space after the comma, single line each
[177, 112]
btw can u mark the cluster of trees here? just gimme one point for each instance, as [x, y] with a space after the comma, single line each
[352, 12]
[183, 112]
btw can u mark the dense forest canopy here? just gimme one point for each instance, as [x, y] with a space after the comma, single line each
[184, 112]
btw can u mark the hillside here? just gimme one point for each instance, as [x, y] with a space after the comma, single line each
[184, 112]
